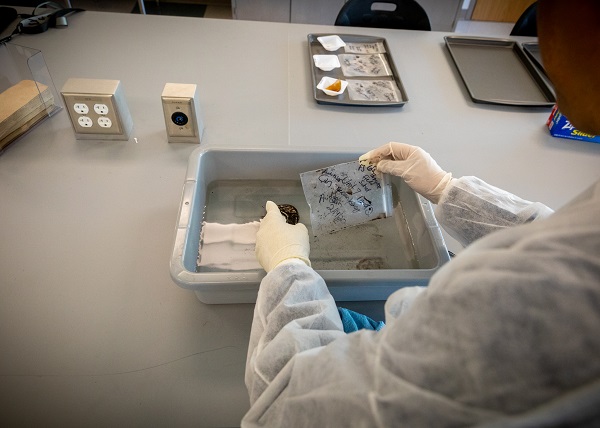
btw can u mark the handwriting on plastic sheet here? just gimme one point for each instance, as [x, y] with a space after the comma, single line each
[364, 48]
[343, 195]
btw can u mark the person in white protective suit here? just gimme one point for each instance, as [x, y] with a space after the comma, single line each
[506, 334]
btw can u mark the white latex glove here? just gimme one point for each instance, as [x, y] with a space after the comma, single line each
[414, 165]
[277, 241]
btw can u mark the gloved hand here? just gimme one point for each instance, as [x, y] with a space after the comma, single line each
[414, 165]
[277, 240]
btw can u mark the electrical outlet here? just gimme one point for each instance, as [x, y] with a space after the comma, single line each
[183, 118]
[81, 108]
[97, 109]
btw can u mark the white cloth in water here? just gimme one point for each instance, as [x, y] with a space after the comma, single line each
[505, 333]
[228, 247]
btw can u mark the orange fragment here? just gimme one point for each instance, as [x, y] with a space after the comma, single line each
[335, 86]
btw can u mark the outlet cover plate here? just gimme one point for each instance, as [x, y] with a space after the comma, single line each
[97, 109]
[184, 121]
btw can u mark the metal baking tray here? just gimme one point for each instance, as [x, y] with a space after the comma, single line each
[497, 71]
[315, 48]
[532, 49]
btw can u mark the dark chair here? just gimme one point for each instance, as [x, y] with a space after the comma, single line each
[398, 14]
[526, 25]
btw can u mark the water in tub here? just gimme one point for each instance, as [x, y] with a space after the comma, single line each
[233, 211]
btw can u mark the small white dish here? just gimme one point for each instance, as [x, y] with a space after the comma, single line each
[331, 43]
[328, 81]
[326, 62]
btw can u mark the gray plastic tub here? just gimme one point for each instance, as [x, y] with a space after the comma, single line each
[367, 262]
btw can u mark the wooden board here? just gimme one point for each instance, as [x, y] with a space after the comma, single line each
[22, 106]
[499, 10]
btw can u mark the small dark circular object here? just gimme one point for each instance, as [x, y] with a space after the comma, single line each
[179, 118]
[290, 213]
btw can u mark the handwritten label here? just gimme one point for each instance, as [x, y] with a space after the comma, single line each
[344, 195]
[373, 90]
[364, 65]
[364, 48]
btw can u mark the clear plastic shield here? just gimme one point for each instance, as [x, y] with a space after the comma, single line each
[345, 195]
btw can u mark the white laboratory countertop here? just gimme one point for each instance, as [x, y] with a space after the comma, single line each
[93, 331]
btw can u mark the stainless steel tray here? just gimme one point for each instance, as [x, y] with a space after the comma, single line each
[497, 71]
[315, 48]
[532, 49]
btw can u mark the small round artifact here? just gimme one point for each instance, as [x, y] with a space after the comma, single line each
[290, 213]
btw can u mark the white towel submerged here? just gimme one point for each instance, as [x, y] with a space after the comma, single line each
[228, 247]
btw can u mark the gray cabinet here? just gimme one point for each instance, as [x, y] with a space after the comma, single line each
[321, 12]
[261, 10]
[442, 13]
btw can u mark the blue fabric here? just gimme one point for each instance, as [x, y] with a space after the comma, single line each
[353, 321]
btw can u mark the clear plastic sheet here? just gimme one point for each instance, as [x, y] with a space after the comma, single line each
[345, 195]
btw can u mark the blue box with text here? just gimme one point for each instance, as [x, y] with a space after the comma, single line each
[560, 127]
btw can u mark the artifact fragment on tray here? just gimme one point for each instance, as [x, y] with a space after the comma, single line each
[332, 86]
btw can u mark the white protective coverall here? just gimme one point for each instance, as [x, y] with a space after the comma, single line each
[506, 334]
